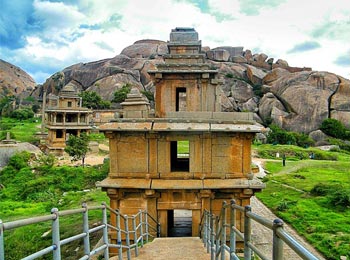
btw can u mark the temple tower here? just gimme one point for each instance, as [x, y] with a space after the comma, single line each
[190, 156]
[64, 115]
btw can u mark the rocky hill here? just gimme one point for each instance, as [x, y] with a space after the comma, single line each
[14, 81]
[297, 99]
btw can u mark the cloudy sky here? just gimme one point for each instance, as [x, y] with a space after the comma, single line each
[45, 36]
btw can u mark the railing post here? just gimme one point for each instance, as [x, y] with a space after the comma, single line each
[105, 231]
[146, 227]
[86, 230]
[204, 229]
[217, 238]
[141, 227]
[223, 230]
[127, 236]
[2, 247]
[208, 238]
[277, 249]
[212, 237]
[232, 232]
[56, 235]
[135, 235]
[119, 238]
[247, 233]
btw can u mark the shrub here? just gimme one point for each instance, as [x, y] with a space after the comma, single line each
[340, 198]
[334, 128]
[303, 140]
[19, 160]
[280, 136]
[149, 95]
[121, 94]
[336, 194]
[22, 114]
[322, 189]
[285, 204]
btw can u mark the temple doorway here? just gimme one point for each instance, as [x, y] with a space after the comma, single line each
[179, 223]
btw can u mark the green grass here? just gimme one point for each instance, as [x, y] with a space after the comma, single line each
[32, 191]
[183, 147]
[23, 131]
[287, 193]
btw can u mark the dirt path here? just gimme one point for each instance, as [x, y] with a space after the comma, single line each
[262, 237]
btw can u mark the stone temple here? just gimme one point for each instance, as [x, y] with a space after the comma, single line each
[188, 155]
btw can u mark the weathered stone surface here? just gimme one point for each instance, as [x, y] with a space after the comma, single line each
[145, 49]
[340, 100]
[282, 63]
[226, 104]
[14, 81]
[239, 59]
[218, 55]
[241, 91]
[234, 51]
[250, 105]
[248, 55]
[255, 75]
[342, 116]
[319, 137]
[113, 83]
[265, 89]
[267, 103]
[274, 75]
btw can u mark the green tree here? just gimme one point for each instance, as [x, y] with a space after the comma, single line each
[77, 147]
[22, 114]
[121, 94]
[92, 100]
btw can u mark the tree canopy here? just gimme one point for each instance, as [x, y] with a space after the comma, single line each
[77, 147]
[92, 100]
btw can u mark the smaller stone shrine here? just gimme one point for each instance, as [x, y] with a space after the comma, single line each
[64, 115]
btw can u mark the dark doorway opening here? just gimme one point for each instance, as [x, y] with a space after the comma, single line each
[179, 223]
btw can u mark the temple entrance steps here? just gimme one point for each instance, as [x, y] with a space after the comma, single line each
[172, 248]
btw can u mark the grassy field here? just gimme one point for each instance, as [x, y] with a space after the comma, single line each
[23, 131]
[311, 195]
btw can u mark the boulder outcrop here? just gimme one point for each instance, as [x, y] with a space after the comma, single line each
[297, 99]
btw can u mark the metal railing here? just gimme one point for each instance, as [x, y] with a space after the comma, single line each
[137, 231]
[214, 229]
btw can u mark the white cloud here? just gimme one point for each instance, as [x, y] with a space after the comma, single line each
[91, 30]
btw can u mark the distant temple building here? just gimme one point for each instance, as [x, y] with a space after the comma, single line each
[64, 115]
[190, 156]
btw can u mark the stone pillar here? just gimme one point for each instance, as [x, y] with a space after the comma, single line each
[151, 200]
[163, 220]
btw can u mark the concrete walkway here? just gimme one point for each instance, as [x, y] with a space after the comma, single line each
[173, 248]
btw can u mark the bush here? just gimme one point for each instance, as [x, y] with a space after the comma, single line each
[121, 94]
[149, 95]
[340, 198]
[336, 194]
[322, 189]
[334, 128]
[19, 160]
[303, 140]
[280, 136]
[22, 114]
